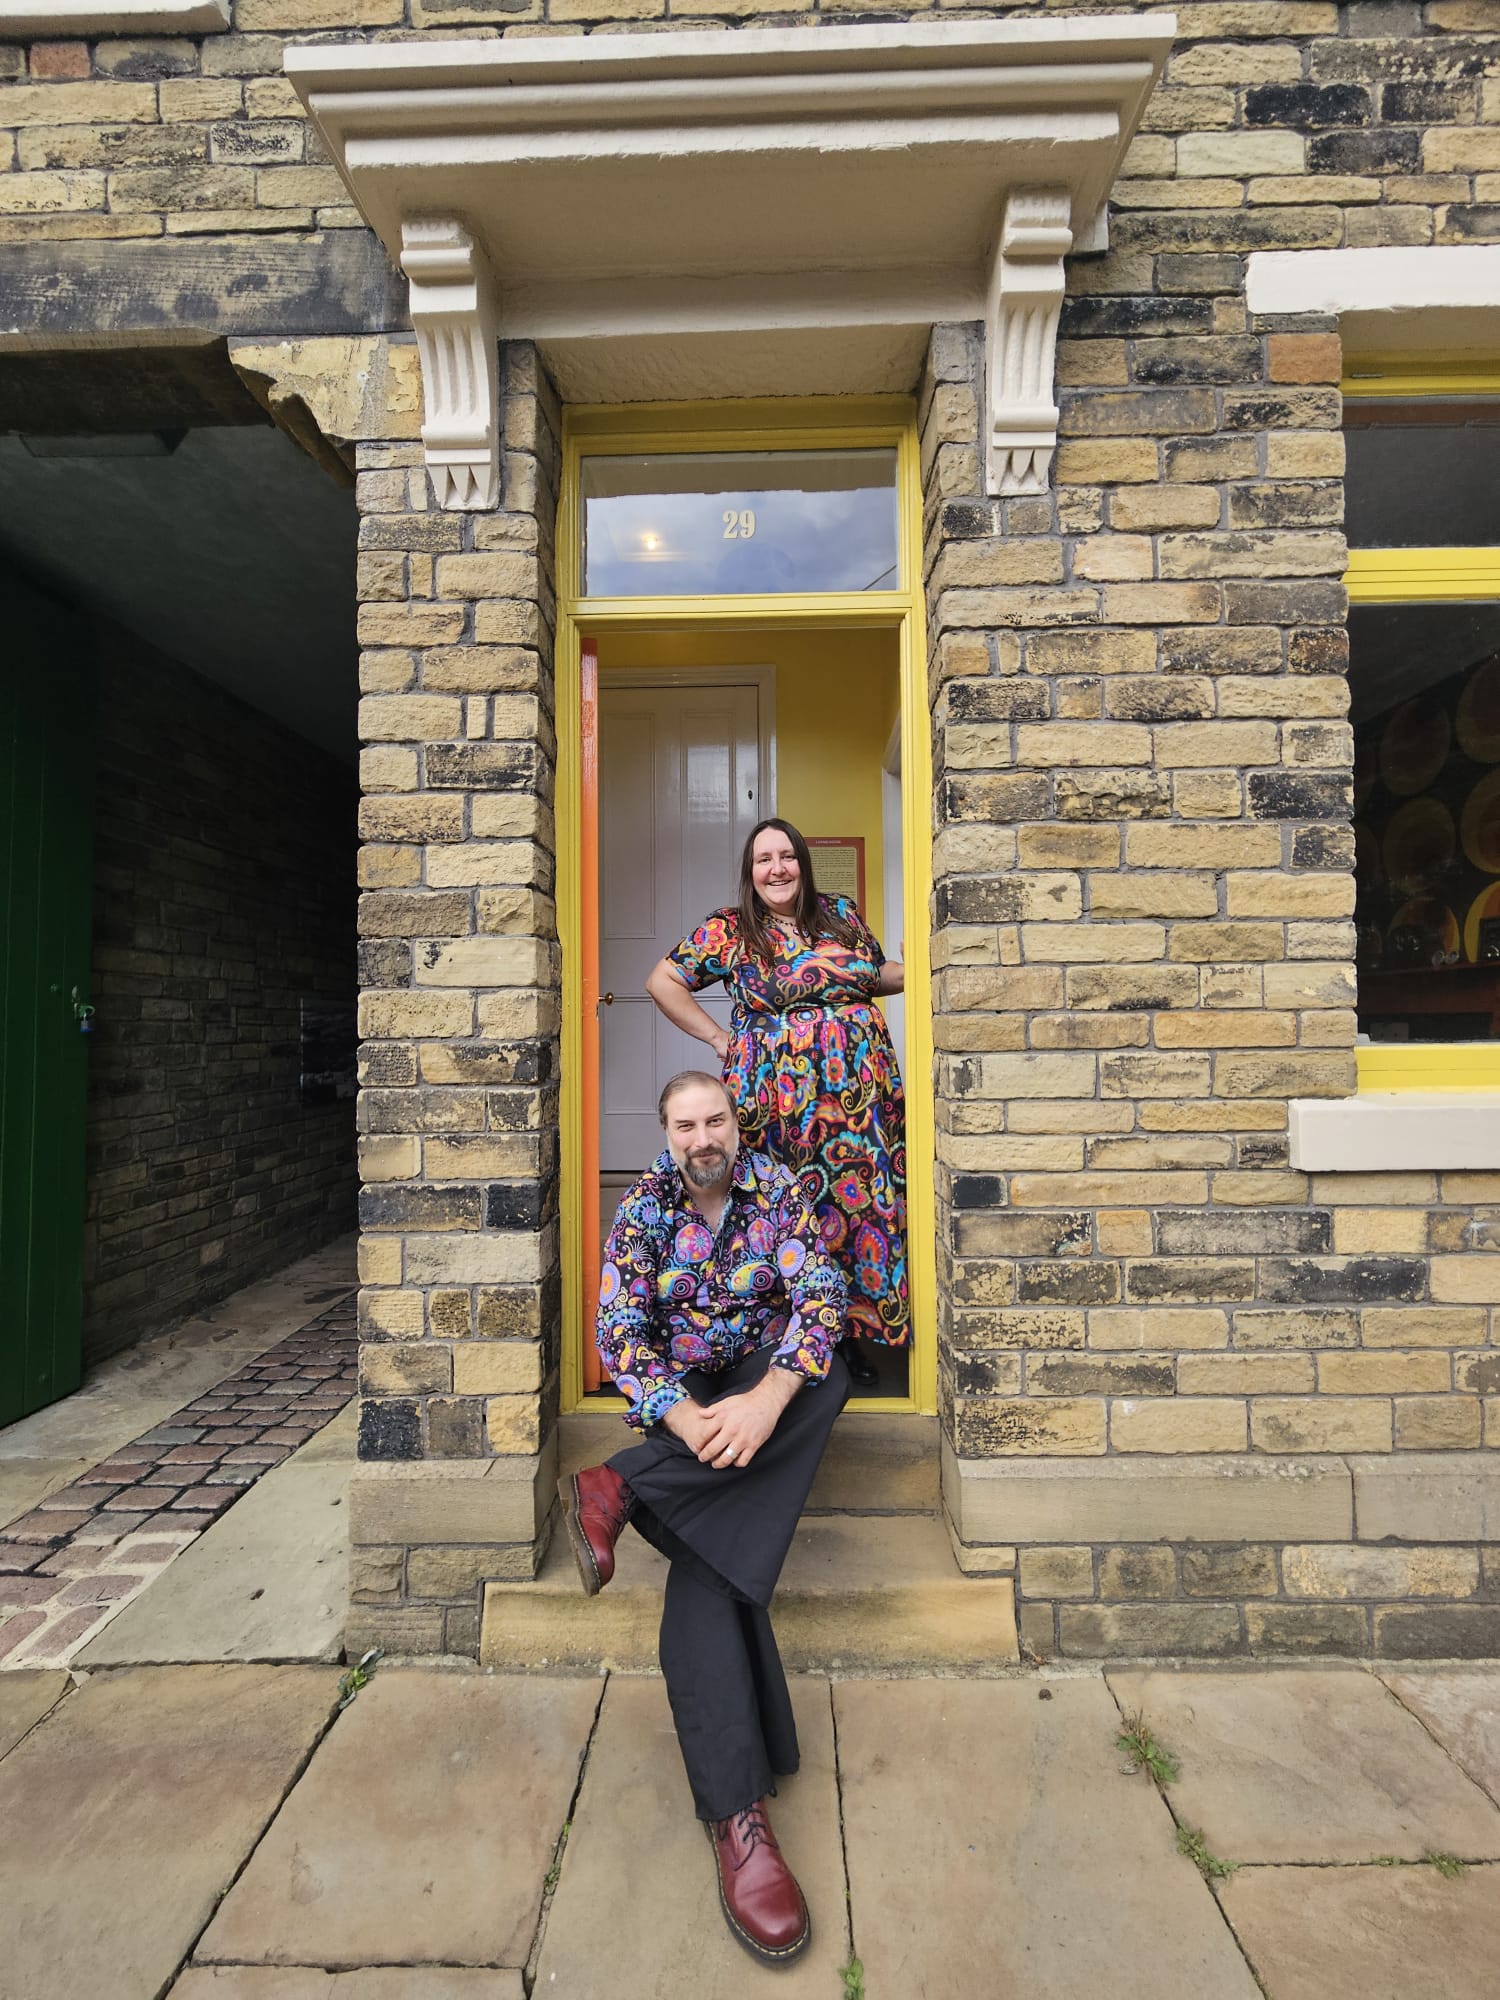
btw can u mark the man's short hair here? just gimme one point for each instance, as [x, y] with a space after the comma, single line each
[684, 1080]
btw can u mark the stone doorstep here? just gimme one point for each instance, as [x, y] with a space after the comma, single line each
[875, 1464]
[859, 1594]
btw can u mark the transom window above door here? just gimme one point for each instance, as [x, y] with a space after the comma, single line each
[740, 523]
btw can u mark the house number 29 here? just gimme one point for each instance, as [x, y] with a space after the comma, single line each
[739, 524]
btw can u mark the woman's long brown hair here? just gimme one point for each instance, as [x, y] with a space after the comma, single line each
[813, 916]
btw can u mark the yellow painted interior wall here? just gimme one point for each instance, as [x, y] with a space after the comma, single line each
[837, 698]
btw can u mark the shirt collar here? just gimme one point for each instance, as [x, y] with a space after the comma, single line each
[744, 1179]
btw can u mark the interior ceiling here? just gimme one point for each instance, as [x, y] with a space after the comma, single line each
[234, 554]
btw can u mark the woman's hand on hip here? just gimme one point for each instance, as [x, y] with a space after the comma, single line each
[718, 1041]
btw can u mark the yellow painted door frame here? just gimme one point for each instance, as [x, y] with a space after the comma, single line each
[785, 424]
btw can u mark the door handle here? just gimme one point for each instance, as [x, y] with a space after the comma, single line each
[605, 1000]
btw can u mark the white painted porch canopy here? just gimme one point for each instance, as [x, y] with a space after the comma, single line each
[736, 213]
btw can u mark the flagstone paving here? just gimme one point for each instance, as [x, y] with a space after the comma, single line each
[1308, 1765]
[995, 1846]
[127, 1812]
[1369, 1933]
[423, 1830]
[611, 1930]
[1461, 1707]
[218, 1833]
[89, 1547]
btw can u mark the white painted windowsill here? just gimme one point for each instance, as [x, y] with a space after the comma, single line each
[25, 19]
[1396, 1131]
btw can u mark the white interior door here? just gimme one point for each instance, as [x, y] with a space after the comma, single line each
[679, 790]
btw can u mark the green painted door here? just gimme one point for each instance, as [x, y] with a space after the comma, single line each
[46, 864]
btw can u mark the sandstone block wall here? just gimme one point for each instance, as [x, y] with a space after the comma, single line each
[223, 895]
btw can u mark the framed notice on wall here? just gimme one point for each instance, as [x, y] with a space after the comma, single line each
[839, 865]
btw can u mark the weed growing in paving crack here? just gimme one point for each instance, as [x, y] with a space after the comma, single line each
[1145, 1753]
[549, 1880]
[1447, 1865]
[1191, 1843]
[853, 1976]
[358, 1676]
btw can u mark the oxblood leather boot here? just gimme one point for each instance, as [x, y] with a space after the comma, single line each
[761, 1901]
[596, 1505]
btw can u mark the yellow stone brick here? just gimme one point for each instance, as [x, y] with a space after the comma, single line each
[1163, 1075]
[395, 1314]
[1106, 461]
[1260, 1187]
[1123, 1232]
[1320, 1423]
[1213, 943]
[1361, 1232]
[496, 1367]
[513, 1424]
[410, 625]
[1291, 1075]
[388, 768]
[1063, 846]
[1231, 985]
[1162, 603]
[387, 1158]
[1241, 154]
[387, 1016]
[1438, 1423]
[1052, 745]
[1466, 1280]
[1208, 794]
[1157, 1329]
[1081, 944]
[1180, 744]
[485, 961]
[1222, 1115]
[1090, 652]
[1040, 1427]
[1005, 1152]
[382, 867]
[1154, 894]
[1310, 984]
[510, 815]
[1391, 1372]
[1466, 1187]
[1177, 1424]
[1136, 1151]
[515, 1016]
[1283, 694]
[1093, 1116]
[1305, 455]
[1457, 149]
[1151, 844]
[469, 864]
[480, 1257]
[1148, 510]
[1245, 1374]
[1114, 558]
[378, 1260]
[1174, 193]
[420, 819]
[1105, 1190]
[410, 718]
[1283, 190]
[1233, 1028]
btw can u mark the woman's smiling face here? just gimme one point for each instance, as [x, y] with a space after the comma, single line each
[775, 873]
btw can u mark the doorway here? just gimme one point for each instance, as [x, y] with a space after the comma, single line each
[684, 718]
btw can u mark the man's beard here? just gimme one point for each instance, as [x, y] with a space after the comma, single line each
[704, 1168]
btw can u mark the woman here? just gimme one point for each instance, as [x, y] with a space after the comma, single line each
[809, 1064]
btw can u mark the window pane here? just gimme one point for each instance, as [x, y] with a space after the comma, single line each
[1425, 687]
[1422, 475]
[737, 522]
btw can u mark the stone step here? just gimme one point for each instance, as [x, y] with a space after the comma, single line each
[873, 1464]
[859, 1594]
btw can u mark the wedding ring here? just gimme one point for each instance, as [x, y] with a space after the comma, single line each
[729, 1451]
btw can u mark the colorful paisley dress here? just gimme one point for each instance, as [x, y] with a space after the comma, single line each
[814, 1079]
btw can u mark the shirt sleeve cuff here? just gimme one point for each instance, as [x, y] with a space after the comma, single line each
[655, 1404]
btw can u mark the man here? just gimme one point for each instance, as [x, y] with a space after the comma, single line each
[719, 1317]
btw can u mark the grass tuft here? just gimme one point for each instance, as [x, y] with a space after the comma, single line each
[358, 1676]
[1143, 1750]
[1191, 1843]
[1447, 1865]
[853, 1976]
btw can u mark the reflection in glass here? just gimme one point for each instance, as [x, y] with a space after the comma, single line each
[736, 523]
[1424, 684]
[1422, 475]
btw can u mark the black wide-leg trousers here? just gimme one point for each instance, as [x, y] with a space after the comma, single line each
[726, 1534]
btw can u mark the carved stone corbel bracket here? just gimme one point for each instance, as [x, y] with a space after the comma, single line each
[1025, 298]
[453, 312]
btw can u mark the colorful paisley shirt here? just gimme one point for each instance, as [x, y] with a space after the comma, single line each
[674, 1295]
[815, 1082]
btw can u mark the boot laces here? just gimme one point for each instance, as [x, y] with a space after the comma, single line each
[754, 1830]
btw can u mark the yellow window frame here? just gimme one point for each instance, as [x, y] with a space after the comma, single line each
[1423, 576]
[782, 424]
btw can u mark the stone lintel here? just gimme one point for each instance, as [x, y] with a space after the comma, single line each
[1427, 1496]
[453, 1501]
[1189, 1499]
